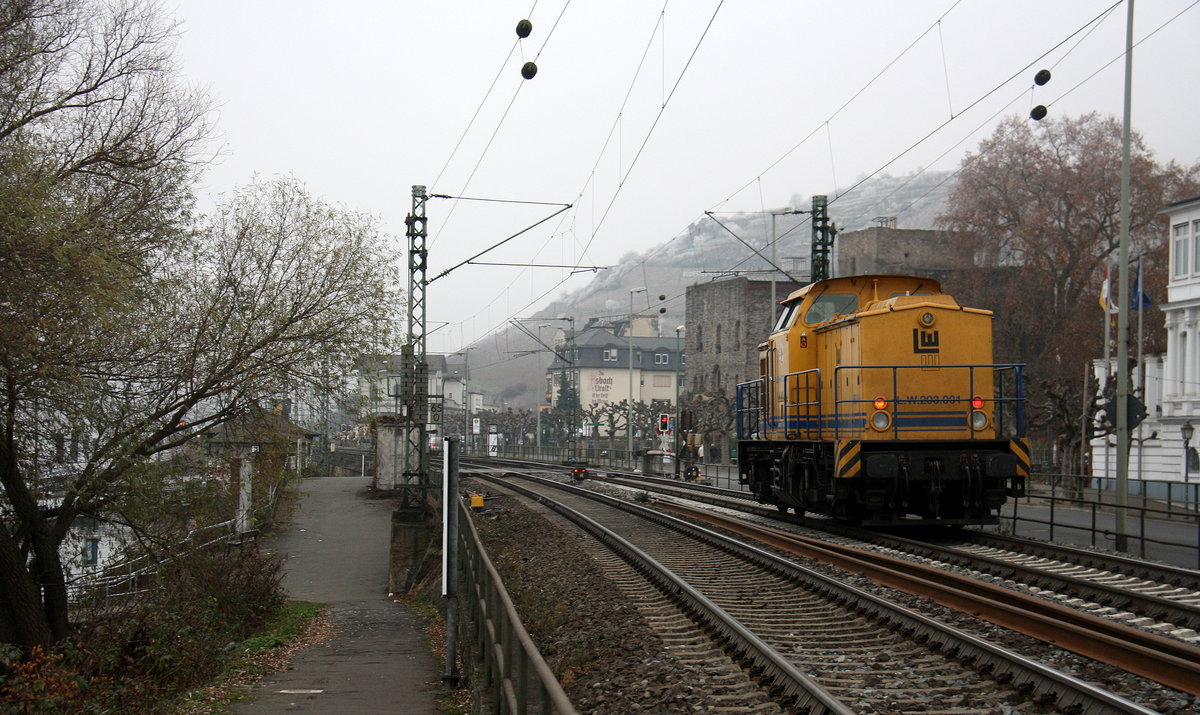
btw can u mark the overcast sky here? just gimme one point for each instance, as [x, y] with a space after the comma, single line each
[643, 115]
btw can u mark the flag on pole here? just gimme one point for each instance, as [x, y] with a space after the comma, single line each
[1138, 298]
[1106, 302]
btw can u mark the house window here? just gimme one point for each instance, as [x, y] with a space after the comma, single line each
[91, 551]
[1180, 254]
[718, 341]
[662, 380]
[1195, 246]
[700, 338]
[610, 354]
[737, 333]
[662, 359]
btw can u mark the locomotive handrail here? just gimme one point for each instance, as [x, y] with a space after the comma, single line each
[750, 407]
[998, 398]
[790, 407]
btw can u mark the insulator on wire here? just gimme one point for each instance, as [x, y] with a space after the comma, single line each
[524, 27]
[1042, 77]
[1038, 113]
[528, 70]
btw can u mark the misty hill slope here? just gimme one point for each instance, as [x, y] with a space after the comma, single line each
[704, 251]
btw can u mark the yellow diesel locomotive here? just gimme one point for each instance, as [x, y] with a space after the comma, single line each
[879, 404]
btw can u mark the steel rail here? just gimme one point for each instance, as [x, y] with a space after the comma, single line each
[1161, 573]
[1147, 604]
[1164, 660]
[1041, 679]
[808, 695]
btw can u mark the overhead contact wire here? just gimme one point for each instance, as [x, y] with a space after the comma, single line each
[847, 103]
[653, 126]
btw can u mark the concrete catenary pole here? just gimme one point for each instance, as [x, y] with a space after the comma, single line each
[1122, 401]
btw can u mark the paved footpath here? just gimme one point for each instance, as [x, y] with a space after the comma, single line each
[336, 552]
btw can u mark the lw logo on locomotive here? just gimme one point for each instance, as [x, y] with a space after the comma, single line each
[925, 341]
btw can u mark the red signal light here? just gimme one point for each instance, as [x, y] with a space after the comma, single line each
[880, 403]
[977, 403]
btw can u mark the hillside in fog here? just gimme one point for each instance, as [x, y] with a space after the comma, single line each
[704, 251]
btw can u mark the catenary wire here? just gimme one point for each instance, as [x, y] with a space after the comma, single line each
[941, 126]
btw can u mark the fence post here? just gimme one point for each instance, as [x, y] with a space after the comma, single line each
[1142, 527]
[1053, 500]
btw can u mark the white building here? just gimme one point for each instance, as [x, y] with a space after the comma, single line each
[619, 360]
[1172, 394]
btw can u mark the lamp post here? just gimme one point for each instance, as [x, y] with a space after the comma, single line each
[629, 406]
[1187, 431]
[679, 329]
[568, 377]
[538, 442]
[466, 394]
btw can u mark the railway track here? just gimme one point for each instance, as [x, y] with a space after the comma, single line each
[1155, 597]
[825, 646]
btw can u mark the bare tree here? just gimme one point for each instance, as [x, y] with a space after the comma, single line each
[98, 147]
[712, 418]
[1041, 204]
[276, 288]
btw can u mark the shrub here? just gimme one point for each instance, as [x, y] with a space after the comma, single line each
[172, 633]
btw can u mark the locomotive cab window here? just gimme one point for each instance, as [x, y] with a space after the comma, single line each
[829, 306]
[785, 318]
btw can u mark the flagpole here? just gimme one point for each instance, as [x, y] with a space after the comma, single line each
[1103, 384]
[1107, 301]
[1139, 291]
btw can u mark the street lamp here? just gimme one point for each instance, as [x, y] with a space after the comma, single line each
[539, 405]
[568, 377]
[679, 329]
[1187, 431]
[629, 406]
[466, 393]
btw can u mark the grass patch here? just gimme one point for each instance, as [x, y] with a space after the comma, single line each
[292, 620]
[297, 625]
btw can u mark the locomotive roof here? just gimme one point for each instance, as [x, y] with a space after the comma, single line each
[857, 283]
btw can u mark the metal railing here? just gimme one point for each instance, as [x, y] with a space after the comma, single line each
[802, 416]
[1003, 401]
[517, 678]
[126, 577]
[750, 409]
[1064, 503]
[594, 453]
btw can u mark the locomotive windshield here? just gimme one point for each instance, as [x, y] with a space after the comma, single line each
[825, 307]
[785, 318]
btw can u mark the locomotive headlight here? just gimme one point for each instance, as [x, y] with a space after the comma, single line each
[978, 420]
[880, 421]
[927, 319]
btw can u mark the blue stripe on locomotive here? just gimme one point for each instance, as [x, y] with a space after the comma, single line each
[902, 422]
